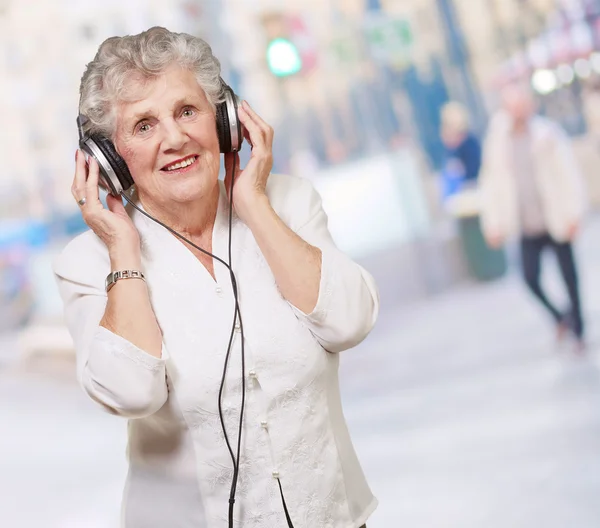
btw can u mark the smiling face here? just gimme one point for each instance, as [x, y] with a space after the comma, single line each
[168, 139]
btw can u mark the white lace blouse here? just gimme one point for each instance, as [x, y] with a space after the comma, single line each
[294, 431]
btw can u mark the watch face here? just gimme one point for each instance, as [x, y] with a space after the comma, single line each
[115, 276]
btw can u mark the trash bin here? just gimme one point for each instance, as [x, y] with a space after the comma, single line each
[484, 263]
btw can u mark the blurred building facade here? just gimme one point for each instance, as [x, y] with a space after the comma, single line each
[354, 91]
[373, 74]
[372, 77]
[45, 47]
[553, 45]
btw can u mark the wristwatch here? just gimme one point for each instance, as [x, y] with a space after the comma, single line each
[115, 276]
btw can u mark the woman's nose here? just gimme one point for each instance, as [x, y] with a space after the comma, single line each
[174, 136]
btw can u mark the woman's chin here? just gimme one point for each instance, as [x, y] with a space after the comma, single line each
[191, 187]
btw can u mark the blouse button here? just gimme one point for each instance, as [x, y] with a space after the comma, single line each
[218, 290]
[264, 424]
[252, 374]
[237, 327]
[275, 474]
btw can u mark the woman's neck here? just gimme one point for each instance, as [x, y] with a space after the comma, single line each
[193, 220]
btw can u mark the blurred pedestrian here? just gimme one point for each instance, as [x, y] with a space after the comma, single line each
[462, 162]
[531, 186]
[462, 155]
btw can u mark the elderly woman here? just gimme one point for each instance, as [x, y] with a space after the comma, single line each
[153, 347]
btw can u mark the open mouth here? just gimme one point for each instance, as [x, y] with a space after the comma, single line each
[180, 165]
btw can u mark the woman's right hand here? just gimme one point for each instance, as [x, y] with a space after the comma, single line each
[113, 225]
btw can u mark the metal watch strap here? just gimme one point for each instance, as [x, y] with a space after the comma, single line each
[115, 276]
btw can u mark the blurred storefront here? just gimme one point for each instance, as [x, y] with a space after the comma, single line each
[45, 47]
[555, 47]
[353, 89]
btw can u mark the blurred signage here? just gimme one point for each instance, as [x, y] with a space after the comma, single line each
[300, 34]
[345, 46]
[390, 40]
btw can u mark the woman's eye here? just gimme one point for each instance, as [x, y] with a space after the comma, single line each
[188, 112]
[143, 127]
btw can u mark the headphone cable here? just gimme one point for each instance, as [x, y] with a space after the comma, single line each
[237, 316]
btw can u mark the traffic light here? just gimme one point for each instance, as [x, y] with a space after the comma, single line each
[291, 47]
[283, 57]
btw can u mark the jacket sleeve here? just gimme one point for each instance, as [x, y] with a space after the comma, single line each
[119, 376]
[492, 194]
[573, 185]
[348, 302]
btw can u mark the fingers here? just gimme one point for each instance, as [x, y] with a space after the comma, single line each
[85, 182]
[78, 187]
[267, 130]
[260, 134]
[115, 204]
[254, 134]
[92, 192]
[247, 137]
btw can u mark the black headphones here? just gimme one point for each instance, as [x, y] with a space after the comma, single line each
[113, 170]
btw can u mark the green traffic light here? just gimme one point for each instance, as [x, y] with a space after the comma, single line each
[283, 58]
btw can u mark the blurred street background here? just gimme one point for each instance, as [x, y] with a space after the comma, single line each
[464, 410]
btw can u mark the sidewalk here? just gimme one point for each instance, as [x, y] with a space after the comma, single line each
[467, 415]
[463, 412]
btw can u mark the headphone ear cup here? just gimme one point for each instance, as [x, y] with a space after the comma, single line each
[236, 126]
[229, 128]
[223, 129]
[117, 163]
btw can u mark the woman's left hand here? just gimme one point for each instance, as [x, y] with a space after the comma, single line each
[249, 189]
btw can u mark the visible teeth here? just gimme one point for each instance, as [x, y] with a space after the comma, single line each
[181, 164]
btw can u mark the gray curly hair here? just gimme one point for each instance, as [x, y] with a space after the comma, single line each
[106, 79]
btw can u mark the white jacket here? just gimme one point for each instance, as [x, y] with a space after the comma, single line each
[557, 175]
[180, 468]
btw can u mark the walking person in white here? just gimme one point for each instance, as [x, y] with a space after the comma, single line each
[151, 344]
[531, 186]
